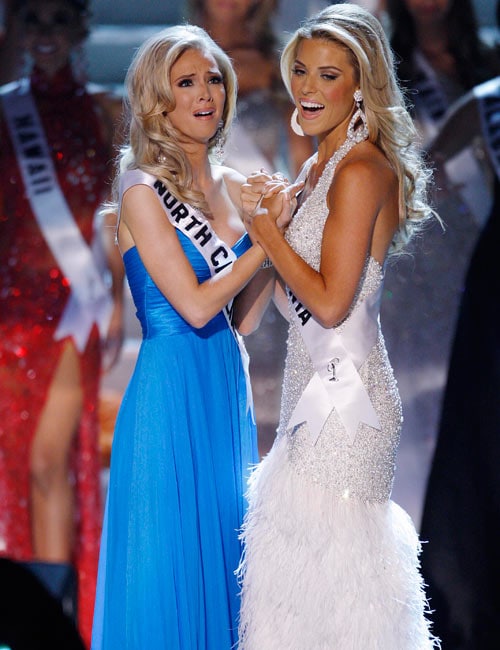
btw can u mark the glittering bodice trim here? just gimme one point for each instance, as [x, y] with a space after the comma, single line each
[364, 469]
[305, 231]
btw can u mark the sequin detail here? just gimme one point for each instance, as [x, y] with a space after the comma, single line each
[365, 469]
[33, 295]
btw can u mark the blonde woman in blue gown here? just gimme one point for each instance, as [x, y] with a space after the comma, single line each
[185, 435]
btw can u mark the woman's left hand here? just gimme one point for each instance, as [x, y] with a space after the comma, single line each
[258, 185]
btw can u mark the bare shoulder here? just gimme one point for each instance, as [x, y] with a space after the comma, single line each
[367, 168]
[139, 192]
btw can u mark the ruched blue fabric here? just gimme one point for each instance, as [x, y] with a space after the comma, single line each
[183, 446]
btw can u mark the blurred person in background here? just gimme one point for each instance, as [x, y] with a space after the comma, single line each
[440, 55]
[60, 295]
[461, 512]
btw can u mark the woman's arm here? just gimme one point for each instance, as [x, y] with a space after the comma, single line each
[114, 337]
[363, 216]
[252, 302]
[143, 223]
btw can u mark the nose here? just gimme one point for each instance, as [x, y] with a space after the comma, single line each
[307, 84]
[206, 93]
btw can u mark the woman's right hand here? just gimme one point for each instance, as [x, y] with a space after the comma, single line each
[277, 193]
[280, 204]
[258, 185]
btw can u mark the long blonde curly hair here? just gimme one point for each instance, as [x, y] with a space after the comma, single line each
[153, 144]
[390, 125]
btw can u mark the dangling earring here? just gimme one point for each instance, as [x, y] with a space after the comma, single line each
[359, 114]
[162, 158]
[219, 142]
[294, 123]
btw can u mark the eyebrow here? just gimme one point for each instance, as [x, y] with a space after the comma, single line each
[190, 75]
[321, 67]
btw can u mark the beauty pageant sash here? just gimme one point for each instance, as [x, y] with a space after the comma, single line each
[463, 170]
[430, 100]
[337, 358]
[488, 96]
[89, 300]
[195, 226]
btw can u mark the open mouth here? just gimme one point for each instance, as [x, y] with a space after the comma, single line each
[208, 113]
[311, 107]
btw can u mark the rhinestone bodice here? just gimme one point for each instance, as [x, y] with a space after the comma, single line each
[365, 468]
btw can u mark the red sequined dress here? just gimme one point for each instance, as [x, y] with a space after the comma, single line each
[33, 295]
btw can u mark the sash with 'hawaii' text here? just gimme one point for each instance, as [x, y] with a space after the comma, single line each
[89, 300]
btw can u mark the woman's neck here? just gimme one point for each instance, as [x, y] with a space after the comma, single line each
[200, 167]
[332, 142]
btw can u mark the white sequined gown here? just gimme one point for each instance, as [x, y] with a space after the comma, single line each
[330, 562]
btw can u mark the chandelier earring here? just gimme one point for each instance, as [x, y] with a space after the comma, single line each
[294, 123]
[219, 142]
[354, 132]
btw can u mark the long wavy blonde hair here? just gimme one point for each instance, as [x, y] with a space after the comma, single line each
[153, 144]
[390, 125]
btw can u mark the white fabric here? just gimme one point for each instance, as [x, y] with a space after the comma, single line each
[336, 359]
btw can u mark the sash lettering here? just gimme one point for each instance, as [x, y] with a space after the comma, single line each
[218, 256]
[463, 169]
[488, 96]
[89, 300]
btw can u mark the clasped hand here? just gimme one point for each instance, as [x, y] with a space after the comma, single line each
[269, 197]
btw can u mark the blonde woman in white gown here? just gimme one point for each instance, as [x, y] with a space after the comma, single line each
[330, 561]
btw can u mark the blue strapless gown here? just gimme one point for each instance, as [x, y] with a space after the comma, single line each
[183, 444]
